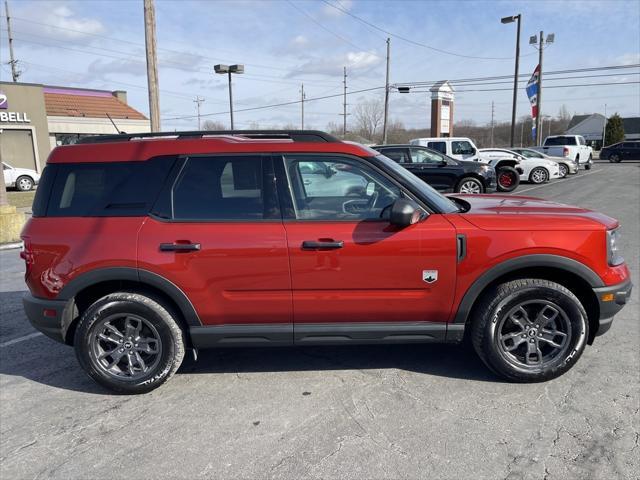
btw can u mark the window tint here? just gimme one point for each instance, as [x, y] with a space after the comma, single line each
[397, 154]
[425, 156]
[113, 189]
[550, 142]
[462, 147]
[220, 188]
[439, 146]
[351, 191]
[581, 141]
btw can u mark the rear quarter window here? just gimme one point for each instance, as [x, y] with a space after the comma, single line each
[110, 189]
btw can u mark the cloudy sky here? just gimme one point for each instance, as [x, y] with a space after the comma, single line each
[283, 43]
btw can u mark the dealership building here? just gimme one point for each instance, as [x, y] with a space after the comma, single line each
[36, 118]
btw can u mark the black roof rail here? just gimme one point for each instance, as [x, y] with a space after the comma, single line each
[295, 135]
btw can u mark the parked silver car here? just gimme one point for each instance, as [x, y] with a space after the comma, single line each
[567, 166]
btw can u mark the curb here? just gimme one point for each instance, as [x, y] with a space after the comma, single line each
[10, 246]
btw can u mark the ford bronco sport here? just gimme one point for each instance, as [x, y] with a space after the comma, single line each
[142, 247]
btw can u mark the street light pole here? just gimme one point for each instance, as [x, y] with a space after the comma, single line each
[517, 19]
[229, 69]
[386, 97]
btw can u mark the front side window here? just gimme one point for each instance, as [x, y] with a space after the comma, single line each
[220, 188]
[462, 147]
[347, 190]
[425, 156]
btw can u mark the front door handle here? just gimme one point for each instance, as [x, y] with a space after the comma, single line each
[179, 247]
[327, 245]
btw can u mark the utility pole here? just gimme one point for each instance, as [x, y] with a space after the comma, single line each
[386, 97]
[539, 99]
[198, 101]
[514, 18]
[344, 105]
[15, 73]
[521, 134]
[604, 129]
[152, 64]
[302, 97]
[492, 121]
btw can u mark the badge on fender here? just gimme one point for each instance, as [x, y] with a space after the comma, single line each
[429, 276]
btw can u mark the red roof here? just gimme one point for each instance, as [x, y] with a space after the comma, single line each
[92, 106]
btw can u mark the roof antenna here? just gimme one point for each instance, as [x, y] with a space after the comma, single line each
[114, 124]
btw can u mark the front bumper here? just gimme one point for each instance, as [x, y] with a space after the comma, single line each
[47, 316]
[611, 300]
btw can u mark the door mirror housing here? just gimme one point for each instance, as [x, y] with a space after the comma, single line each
[404, 212]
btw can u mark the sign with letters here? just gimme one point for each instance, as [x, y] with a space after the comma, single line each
[7, 116]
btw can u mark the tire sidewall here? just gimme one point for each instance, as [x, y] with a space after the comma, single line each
[564, 170]
[18, 187]
[579, 333]
[89, 323]
[512, 172]
[470, 179]
[546, 175]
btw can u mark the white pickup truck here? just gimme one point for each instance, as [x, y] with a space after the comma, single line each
[573, 147]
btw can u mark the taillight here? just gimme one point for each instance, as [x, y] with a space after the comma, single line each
[27, 255]
[565, 151]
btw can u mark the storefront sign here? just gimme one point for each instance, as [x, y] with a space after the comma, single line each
[14, 117]
[4, 103]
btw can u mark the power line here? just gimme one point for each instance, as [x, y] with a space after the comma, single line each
[550, 86]
[408, 40]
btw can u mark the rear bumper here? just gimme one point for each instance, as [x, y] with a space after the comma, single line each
[616, 297]
[46, 315]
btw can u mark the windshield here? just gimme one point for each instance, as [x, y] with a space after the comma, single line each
[442, 203]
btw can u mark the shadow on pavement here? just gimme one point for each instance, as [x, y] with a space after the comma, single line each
[47, 362]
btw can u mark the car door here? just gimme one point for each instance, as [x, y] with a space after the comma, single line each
[634, 151]
[9, 174]
[462, 150]
[353, 274]
[435, 169]
[217, 234]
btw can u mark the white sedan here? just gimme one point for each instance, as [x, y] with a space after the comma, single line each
[22, 179]
[535, 170]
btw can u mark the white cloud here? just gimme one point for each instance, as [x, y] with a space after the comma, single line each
[64, 18]
[333, 65]
[335, 12]
[300, 41]
[628, 59]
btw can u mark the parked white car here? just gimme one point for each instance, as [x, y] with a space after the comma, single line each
[22, 179]
[567, 166]
[573, 147]
[534, 170]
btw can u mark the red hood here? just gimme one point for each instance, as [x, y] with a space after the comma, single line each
[509, 212]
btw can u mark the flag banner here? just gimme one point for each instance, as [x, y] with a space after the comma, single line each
[532, 93]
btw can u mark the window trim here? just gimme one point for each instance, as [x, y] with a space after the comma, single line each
[285, 188]
[182, 160]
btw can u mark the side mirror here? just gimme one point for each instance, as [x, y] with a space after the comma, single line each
[442, 163]
[404, 212]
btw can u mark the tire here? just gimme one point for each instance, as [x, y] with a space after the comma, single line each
[140, 367]
[469, 185]
[498, 324]
[564, 170]
[539, 175]
[24, 183]
[614, 158]
[507, 173]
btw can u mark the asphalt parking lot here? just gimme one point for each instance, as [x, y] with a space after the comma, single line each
[335, 412]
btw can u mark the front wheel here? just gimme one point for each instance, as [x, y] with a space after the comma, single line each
[539, 175]
[508, 179]
[129, 343]
[614, 158]
[564, 170]
[470, 185]
[529, 330]
[24, 183]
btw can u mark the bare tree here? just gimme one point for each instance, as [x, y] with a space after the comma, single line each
[368, 118]
[213, 125]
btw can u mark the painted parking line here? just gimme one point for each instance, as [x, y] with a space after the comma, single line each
[581, 175]
[20, 339]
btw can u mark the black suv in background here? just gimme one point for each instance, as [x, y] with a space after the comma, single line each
[621, 151]
[440, 171]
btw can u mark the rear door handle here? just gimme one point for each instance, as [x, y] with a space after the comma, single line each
[329, 245]
[179, 247]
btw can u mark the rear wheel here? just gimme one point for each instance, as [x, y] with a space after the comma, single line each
[564, 170]
[508, 179]
[529, 330]
[24, 183]
[129, 343]
[470, 185]
[539, 175]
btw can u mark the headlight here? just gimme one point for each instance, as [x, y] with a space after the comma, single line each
[614, 255]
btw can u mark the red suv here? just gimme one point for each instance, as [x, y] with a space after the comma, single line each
[144, 246]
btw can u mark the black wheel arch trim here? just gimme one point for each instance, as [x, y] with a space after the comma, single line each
[527, 261]
[143, 277]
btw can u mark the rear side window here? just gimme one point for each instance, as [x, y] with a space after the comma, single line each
[222, 188]
[397, 154]
[113, 189]
[439, 146]
[550, 142]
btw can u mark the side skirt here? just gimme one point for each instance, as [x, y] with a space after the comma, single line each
[262, 335]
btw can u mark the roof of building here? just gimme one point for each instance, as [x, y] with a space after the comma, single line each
[78, 102]
[576, 120]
